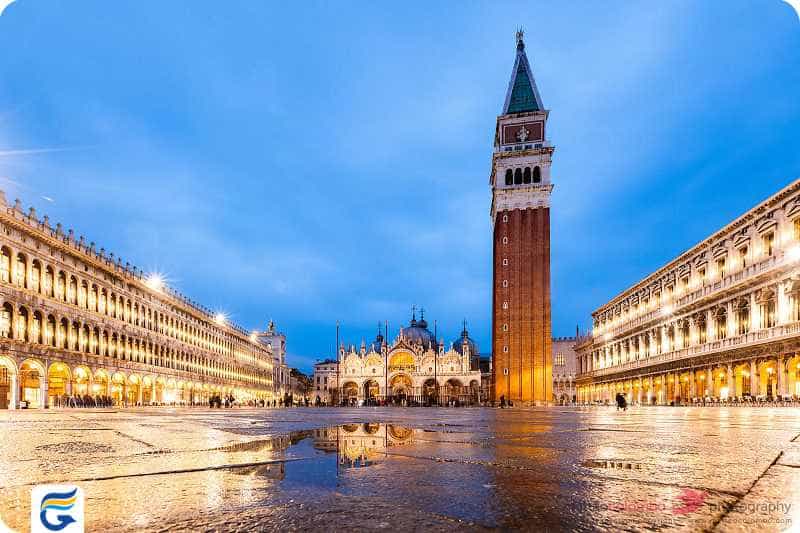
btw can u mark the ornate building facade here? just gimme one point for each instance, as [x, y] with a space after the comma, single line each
[415, 369]
[564, 370]
[720, 322]
[520, 213]
[76, 322]
[275, 341]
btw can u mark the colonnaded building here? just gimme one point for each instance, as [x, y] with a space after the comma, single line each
[719, 322]
[420, 370]
[76, 321]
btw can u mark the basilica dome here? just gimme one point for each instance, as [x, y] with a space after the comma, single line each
[418, 332]
[458, 344]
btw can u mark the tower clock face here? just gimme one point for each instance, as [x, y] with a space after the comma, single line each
[531, 132]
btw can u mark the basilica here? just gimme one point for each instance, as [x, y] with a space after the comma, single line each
[414, 369]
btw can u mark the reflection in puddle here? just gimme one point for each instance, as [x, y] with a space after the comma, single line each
[360, 445]
[611, 465]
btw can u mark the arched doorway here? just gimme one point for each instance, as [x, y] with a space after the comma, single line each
[118, 388]
[793, 376]
[57, 384]
[429, 391]
[8, 383]
[133, 389]
[31, 374]
[453, 391]
[475, 392]
[147, 390]
[401, 388]
[371, 392]
[350, 393]
[100, 385]
[80, 385]
[768, 379]
[741, 380]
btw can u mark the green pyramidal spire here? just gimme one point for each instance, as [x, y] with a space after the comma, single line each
[522, 95]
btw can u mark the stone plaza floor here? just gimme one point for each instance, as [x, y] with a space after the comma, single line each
[548, 469]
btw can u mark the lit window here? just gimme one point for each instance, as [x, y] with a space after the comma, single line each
[505, 283]
[505, 218]
[505, 262]
[721, 267]
[505, 240]
[505, 349]
[767, 241]
[743, 257]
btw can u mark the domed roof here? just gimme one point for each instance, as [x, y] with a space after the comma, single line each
[458, 344]
[418, 332]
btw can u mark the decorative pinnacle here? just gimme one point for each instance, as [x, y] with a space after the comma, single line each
[520, 35]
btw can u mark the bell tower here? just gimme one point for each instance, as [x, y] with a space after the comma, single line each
[520, 180]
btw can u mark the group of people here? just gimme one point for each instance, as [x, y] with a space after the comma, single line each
[76, 400]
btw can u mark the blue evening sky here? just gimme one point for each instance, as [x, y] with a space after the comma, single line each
[316, 161]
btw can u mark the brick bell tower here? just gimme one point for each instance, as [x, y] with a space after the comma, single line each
[522, 366]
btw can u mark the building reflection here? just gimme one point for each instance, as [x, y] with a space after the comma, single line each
[360, 445]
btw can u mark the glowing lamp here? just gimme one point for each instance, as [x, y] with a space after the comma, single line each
[793, 253]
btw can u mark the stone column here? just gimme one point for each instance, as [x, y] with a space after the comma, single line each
[141, 387]
[650, 390]
[43, 400]
[639, 392]
[709, 326]
[781, 377]
[692, 385]
[709, 383]
[731, 384]
[755, 322]
[753, 378]
[731, 325]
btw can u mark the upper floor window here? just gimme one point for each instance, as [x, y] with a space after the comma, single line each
[518, 176]
[743, 257]
[509, 177]
[560, 359]
[721, 267]
[796, 226]
[526, 175]
[537, 175]
[767, 242]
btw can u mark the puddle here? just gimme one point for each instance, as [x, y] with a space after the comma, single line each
[611, 465]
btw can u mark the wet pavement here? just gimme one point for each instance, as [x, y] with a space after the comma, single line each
[654, 469]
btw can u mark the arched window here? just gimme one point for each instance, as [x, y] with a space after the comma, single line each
[743, 317]
[518, 176]
[721, 323]
[5, 265]
[526, 175]
[509, 177]
[537, 175]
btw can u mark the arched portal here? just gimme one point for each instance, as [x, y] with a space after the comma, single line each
[429, 391]
[31, 383]
[58, 386]
[350, 392]
[80, 378]
[453, 390]
[133, 390]
[401, 387]
[8, 383]
[100, 386]
[118, 388]
[768, 379]
[371, 391]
